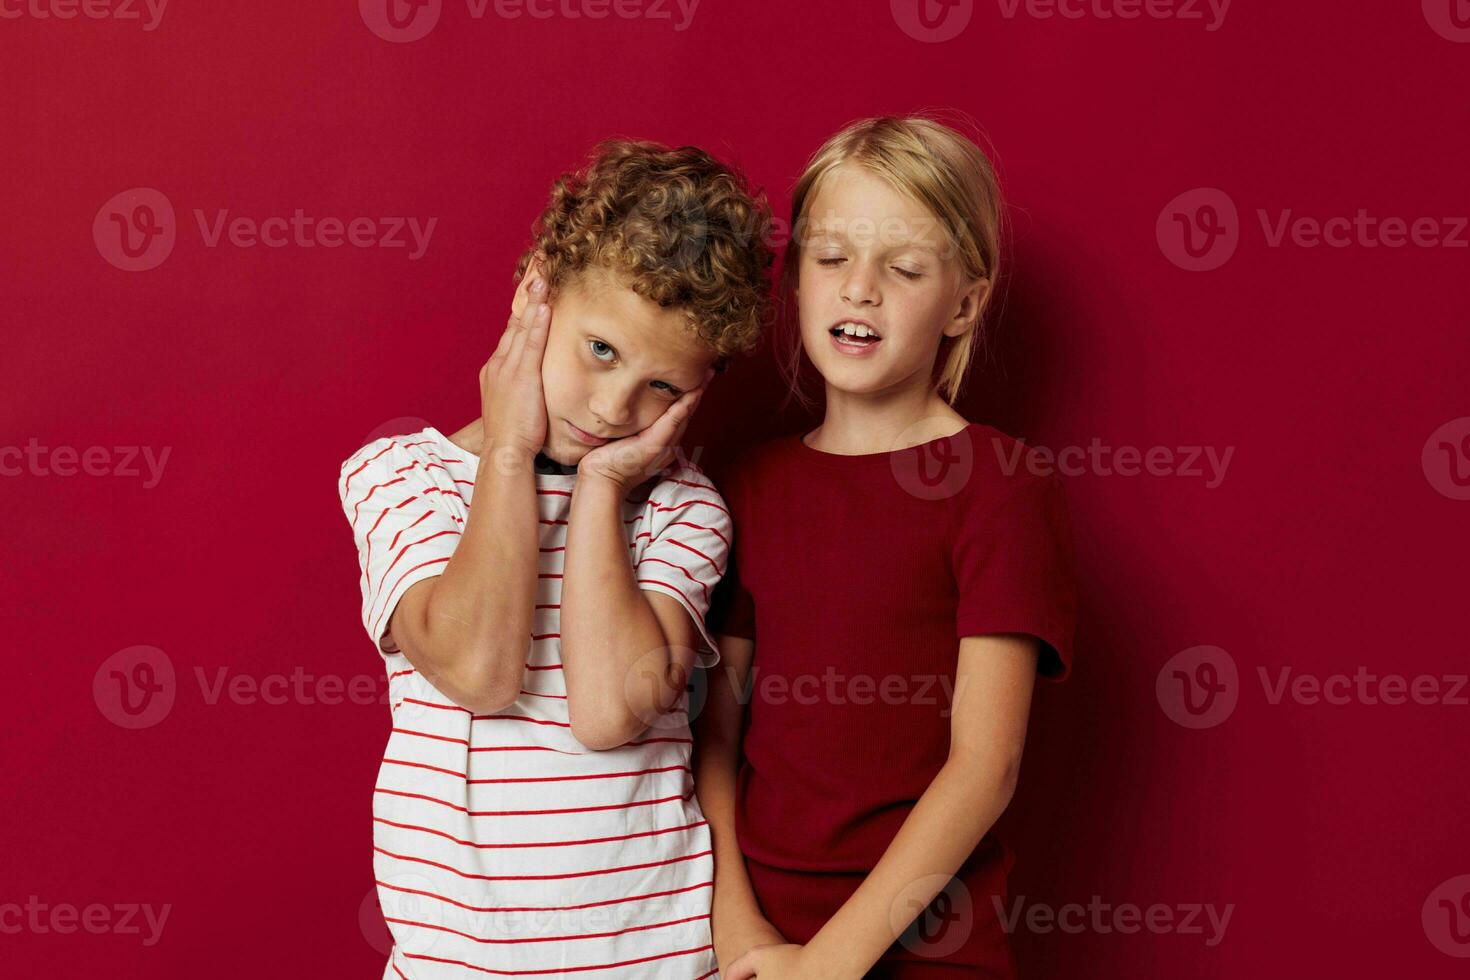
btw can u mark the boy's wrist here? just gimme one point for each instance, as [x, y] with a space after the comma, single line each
[597, 484]
[506, 460]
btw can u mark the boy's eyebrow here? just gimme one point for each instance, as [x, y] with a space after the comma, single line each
[607, 337]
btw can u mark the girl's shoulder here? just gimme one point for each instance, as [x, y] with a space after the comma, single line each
[1007, 479]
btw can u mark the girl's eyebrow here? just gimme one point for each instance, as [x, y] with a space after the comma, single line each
[818, 232]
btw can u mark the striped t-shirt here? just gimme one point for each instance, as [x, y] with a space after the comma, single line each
[502, 846]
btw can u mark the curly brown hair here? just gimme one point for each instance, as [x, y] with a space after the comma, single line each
[675, 225]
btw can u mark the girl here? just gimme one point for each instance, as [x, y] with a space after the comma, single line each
[900, 576]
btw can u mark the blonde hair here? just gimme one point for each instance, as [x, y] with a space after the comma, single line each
[942, 170]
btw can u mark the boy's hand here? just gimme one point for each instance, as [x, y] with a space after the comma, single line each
[629, 461]
[512, 401]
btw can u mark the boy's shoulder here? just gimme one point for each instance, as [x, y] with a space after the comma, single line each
[398, 455]
[682, 479]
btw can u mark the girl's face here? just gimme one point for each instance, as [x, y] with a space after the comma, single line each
[872, 256]
[614, 363]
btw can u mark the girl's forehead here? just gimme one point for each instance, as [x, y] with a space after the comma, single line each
[854, 205]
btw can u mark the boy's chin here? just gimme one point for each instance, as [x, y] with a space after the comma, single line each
[564, 451]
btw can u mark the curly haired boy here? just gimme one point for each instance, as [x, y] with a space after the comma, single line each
[537, 582]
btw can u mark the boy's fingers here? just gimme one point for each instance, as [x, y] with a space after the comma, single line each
[517, 341]
[537, 331]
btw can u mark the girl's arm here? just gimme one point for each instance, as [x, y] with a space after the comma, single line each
[992, 699]
[738, 922]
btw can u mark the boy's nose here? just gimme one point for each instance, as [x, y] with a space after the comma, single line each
[613, 409]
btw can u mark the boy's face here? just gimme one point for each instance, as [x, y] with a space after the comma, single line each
[872, 254]
[614, 363]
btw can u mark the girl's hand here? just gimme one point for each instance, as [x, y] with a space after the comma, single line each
[785, 962]
[512, 402]
[735, 935]
[629, 461]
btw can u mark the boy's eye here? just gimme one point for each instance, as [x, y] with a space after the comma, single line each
[906, 273]
[604, 352]
[829, 262]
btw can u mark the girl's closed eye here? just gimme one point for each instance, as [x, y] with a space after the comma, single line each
[831, 262]
[604, 352]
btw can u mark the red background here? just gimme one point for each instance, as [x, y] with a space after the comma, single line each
[1325, 548]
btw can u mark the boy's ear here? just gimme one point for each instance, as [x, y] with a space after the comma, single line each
[533, 269]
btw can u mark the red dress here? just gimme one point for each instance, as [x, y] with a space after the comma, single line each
[856, 576]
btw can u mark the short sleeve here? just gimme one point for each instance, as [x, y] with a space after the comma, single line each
[689, 545]
[732, 610]
[406, 512]
[1013, 566]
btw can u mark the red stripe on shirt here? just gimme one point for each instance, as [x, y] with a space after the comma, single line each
[553, 843]
[472, 876]
[559, 969]
[547, 939]
[545, 908]
[532, 813]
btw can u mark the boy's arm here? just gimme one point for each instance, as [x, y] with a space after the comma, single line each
[626, 653]
[992, 698]
[467, 630]
[738, 922]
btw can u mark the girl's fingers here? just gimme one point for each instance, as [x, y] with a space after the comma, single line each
[742, 969]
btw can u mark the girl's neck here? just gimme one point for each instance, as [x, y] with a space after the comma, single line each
[856, 425]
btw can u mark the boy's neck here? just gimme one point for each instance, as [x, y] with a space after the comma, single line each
[547, 466]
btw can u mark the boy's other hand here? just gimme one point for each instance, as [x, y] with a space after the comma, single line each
[629, 461]
[512, 401]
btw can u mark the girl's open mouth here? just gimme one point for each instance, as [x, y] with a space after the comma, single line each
[855, 339]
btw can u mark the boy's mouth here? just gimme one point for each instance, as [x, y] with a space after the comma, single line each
[585, 437]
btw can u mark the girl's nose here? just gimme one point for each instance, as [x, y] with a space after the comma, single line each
[861, 287]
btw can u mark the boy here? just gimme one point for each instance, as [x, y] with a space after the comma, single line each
[537, 589]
